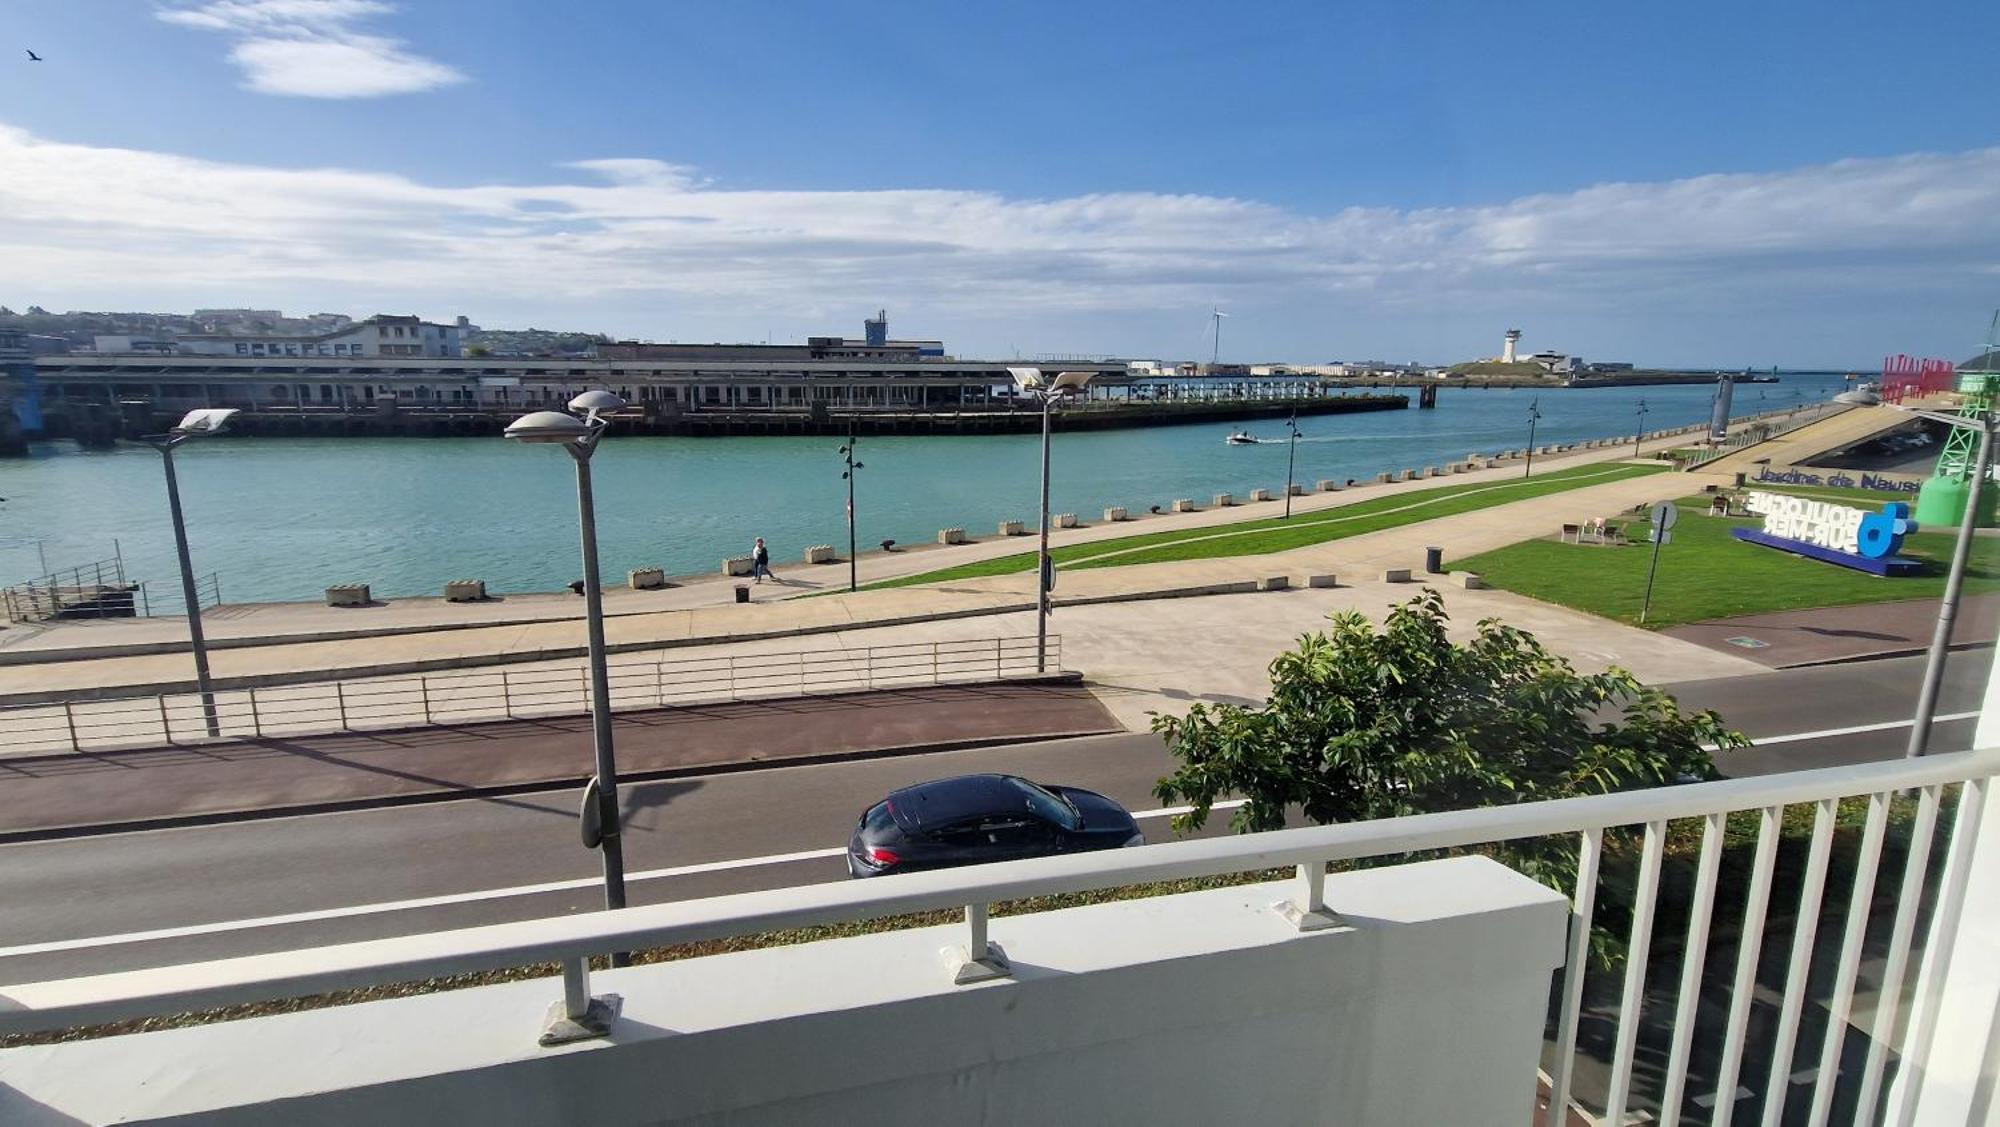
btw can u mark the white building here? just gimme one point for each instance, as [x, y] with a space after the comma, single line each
[379, 336]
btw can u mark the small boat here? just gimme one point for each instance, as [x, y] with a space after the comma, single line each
[1241, 438]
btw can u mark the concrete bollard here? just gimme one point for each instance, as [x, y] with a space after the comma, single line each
[465, 591]
[1322, 581]
[1469, 580]
[1065, 520]
[1011, 528]
[1185, 505]
[1224, 500]
[951, 536]
[1396, 575]
[1274, 583]
[646, 578]
[348, 595]
[819, 554]
[1407, 475]
[1492, 463]
[1296, 489]
[1260, 495]
[1384, 478]
[737, 565]
[1327, 485]
[1114, 515]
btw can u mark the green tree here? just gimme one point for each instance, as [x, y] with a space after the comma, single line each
[1365, 723]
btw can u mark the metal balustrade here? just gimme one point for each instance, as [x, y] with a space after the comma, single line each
[1756, 433]
[573, 939]
[455, 698]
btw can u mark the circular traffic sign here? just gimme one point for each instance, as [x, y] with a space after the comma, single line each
[1665, 514]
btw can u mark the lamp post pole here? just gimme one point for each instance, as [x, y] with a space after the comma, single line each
[1641, 433]
[848, 476]
[165, 445]
[1534, 416]
[1291, 462]
[1961, 552]
[1042, 575]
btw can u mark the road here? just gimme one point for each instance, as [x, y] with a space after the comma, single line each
[77, 906]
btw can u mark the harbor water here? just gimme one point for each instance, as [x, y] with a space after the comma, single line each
[280, 519]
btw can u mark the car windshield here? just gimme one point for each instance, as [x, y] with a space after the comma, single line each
[1048, 807]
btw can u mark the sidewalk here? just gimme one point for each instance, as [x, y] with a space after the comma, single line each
[1360, 556]
[59, 795]
[1824, 635]
[236, 625]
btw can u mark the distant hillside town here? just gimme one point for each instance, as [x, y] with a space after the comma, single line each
[266, 333]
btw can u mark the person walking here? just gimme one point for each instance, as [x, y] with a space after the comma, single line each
[760, 562]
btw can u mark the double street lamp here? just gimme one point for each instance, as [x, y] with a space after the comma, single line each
[1065, 384]
[1641, 432]
[579, 436]
[195, 424]
[1291, 461]
[847, 475]
[1534, 416]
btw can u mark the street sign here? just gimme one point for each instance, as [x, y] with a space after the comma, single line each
[1665, 514]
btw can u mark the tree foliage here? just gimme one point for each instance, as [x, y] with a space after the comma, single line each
[1365, 723]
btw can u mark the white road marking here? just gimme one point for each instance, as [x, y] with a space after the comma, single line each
[1828, 733]
[472, 897]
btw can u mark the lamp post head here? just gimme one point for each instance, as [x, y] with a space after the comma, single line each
[1027, 379]
[207, 420]
[596, 401]
[548, 426]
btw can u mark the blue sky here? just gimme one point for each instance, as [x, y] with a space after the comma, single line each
[1696, 183]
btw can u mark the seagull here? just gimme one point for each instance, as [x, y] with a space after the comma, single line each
[32, 57]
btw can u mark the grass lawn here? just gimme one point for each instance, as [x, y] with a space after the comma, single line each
[1275, 534]
[1705, 573]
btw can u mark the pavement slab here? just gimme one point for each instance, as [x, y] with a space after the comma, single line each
[62, 794]
[1822, 635]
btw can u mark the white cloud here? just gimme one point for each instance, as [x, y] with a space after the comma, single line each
[311, 49]
[1850, 251]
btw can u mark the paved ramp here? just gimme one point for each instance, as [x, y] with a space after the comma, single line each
[1830, 435]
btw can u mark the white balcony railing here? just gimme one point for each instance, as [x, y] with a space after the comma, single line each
[1936, 781]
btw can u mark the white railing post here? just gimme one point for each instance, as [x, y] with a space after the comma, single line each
[166, 726]
[1307, 911]
[1852, 938]
[577, 1016]
[340, 702]
[1916, 870]
[69, 719]
[1804, 929]
[1589, 851]
[1638, 947]
[256, 723]
[424, 689]
[1756, 904]
[980, 959]
[1694, 960]
[507, 693]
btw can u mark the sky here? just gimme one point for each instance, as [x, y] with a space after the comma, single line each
[1701, 184]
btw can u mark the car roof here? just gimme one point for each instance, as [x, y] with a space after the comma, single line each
[942, 802]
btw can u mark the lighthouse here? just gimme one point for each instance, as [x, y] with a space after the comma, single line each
[1507, 349]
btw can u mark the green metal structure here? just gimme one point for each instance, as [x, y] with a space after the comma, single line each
[1941, 500]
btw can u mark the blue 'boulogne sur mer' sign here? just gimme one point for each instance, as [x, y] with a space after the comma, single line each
[1835, 534]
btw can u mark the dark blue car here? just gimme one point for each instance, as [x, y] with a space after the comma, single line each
[973, 819]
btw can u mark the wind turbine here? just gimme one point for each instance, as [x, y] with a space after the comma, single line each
[1216, 315]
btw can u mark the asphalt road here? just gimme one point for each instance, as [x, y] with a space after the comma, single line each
[480, 860]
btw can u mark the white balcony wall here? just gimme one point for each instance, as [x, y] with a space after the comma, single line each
[1426, 1007]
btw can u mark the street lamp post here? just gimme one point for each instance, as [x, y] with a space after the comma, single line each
[847, 475]
[1534, 416]
[1641, 433]
[193, 425]
[1961, 552]
[600, 805]
[1291, 461]
[1064, 385]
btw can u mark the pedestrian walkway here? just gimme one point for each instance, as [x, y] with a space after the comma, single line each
[52, 795]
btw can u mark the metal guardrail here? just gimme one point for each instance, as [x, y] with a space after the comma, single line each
[1757, 434]
[101, 590]
[573, 939]
[376, 704]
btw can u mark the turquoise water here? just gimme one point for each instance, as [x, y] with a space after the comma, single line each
[283, 518]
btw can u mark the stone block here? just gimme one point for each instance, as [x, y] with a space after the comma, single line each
[1469, 580]
[1407, 475]
[737, 565]
[647, 578]
[1296, 489]
[1384, 478]
[819, 554]
[1327, 485]
[1185, 505]
[1065, 520]
[1114, 515]
[1012, 528]
[1260, 495]
[348, 595]
[950, 536]
[1224, 500]
[464, 590]
[1273, 583]
[1322, 581]
[1396, 575]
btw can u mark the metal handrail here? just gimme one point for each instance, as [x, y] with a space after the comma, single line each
[378, 703]
[1748, 438]
[118, 996]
